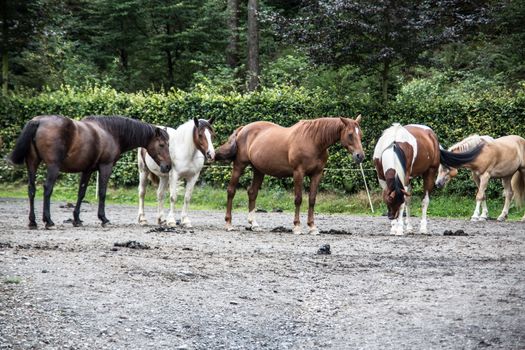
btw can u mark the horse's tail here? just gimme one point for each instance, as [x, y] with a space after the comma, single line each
[228, 151]
[518, 187]
[23, 143]
[455, 160]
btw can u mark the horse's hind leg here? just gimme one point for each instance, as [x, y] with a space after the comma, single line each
[84, 181]
[507, 190]
[174, 187]
[314, 185]
[32, 163]
[253, 191]
[52, 175]
[238, 169]
[298, 178]
[190, 184]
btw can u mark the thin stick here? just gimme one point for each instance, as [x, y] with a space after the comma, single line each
[96, 188]
[366, 187]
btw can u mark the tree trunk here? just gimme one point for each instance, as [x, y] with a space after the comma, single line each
[232, 50]
[253, 45]
[385, 73]
[5, 60]
[169, 61]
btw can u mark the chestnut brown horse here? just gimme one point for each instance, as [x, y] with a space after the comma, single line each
[403, 153]
[94, 143]
[502, 158]
[300, 150]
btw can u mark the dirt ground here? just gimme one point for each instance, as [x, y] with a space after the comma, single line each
[71, 288]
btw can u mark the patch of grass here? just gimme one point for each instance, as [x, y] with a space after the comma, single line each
[205, 197]
[12, 280]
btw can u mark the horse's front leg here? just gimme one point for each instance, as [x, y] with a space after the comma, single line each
[314, 185]
[143, 184]
[408, 201]
[507, 189]
[104, 171]
[298, 178]
[253, 191]
[190, 184]
[84, 181]
[161, 193]
[480, 196]
[174, 184]
[52, 175]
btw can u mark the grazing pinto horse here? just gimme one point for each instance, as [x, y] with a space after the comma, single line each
[300, 150]
[94, 143]
[190, 144]
[502, 158]
[406, 152]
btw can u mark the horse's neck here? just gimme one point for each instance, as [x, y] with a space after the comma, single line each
[324, 132]
[182, 145]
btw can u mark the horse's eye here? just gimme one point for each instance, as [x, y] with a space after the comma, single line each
[161, 145]
[350, 136]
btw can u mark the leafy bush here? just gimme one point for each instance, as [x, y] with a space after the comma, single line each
[453, 110]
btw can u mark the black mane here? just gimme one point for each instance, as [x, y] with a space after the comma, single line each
[130, 133]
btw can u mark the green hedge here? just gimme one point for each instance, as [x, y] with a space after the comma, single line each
[452, 115]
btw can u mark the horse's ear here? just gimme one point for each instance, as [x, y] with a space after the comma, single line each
[345, 121]
[211, 120]
[358, 119]
[158, 132]
[196, 121]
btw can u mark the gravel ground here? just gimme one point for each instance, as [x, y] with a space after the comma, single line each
[71, 288]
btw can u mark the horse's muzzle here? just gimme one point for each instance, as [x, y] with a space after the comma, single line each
[165, 168]
[210, 156]
[359, 157]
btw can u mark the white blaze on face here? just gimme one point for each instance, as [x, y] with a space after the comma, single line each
[210, 149]
[357, 131]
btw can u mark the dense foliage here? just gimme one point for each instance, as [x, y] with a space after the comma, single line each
[454, 109]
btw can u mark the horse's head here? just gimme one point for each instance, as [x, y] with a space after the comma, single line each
[351, 138]
[158, 149]
[394, 193]
[445, 174]
[202, 137]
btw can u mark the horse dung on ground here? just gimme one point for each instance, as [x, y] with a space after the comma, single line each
[190, 144]
[297, 151]
[93, 144]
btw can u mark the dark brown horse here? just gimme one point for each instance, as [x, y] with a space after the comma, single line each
[300, 150]
[94, 143]
[402, 153]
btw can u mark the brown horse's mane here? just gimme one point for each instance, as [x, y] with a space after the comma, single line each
[129, 132]
[324, 131]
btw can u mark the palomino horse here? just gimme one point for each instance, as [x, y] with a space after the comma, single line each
[94, 143]
[402, 153]
[190, 144]
[300, 150]
[502, 158]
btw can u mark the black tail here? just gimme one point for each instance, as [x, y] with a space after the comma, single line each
[455, 160]
[228, 151]
[23, 143]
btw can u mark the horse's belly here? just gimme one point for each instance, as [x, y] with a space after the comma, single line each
[271, 163]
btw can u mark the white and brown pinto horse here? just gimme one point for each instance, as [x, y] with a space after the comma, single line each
[298, 151]
[502, 158]
[189, 145]
[403, 153]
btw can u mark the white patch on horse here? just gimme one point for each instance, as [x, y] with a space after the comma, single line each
[211, 149]
[357, 131]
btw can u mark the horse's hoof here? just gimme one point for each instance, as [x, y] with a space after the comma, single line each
[409, 230]
[51, 227]
[171, 223]
[160, 222]
[77, 223]
[502, 218]
[297, 230]
[230, 228]
[474, 218]
[143, 222]
[105, 224]
[32, 226]
[482, 218]
[313, 231]
[423, 231]
[256, 228]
